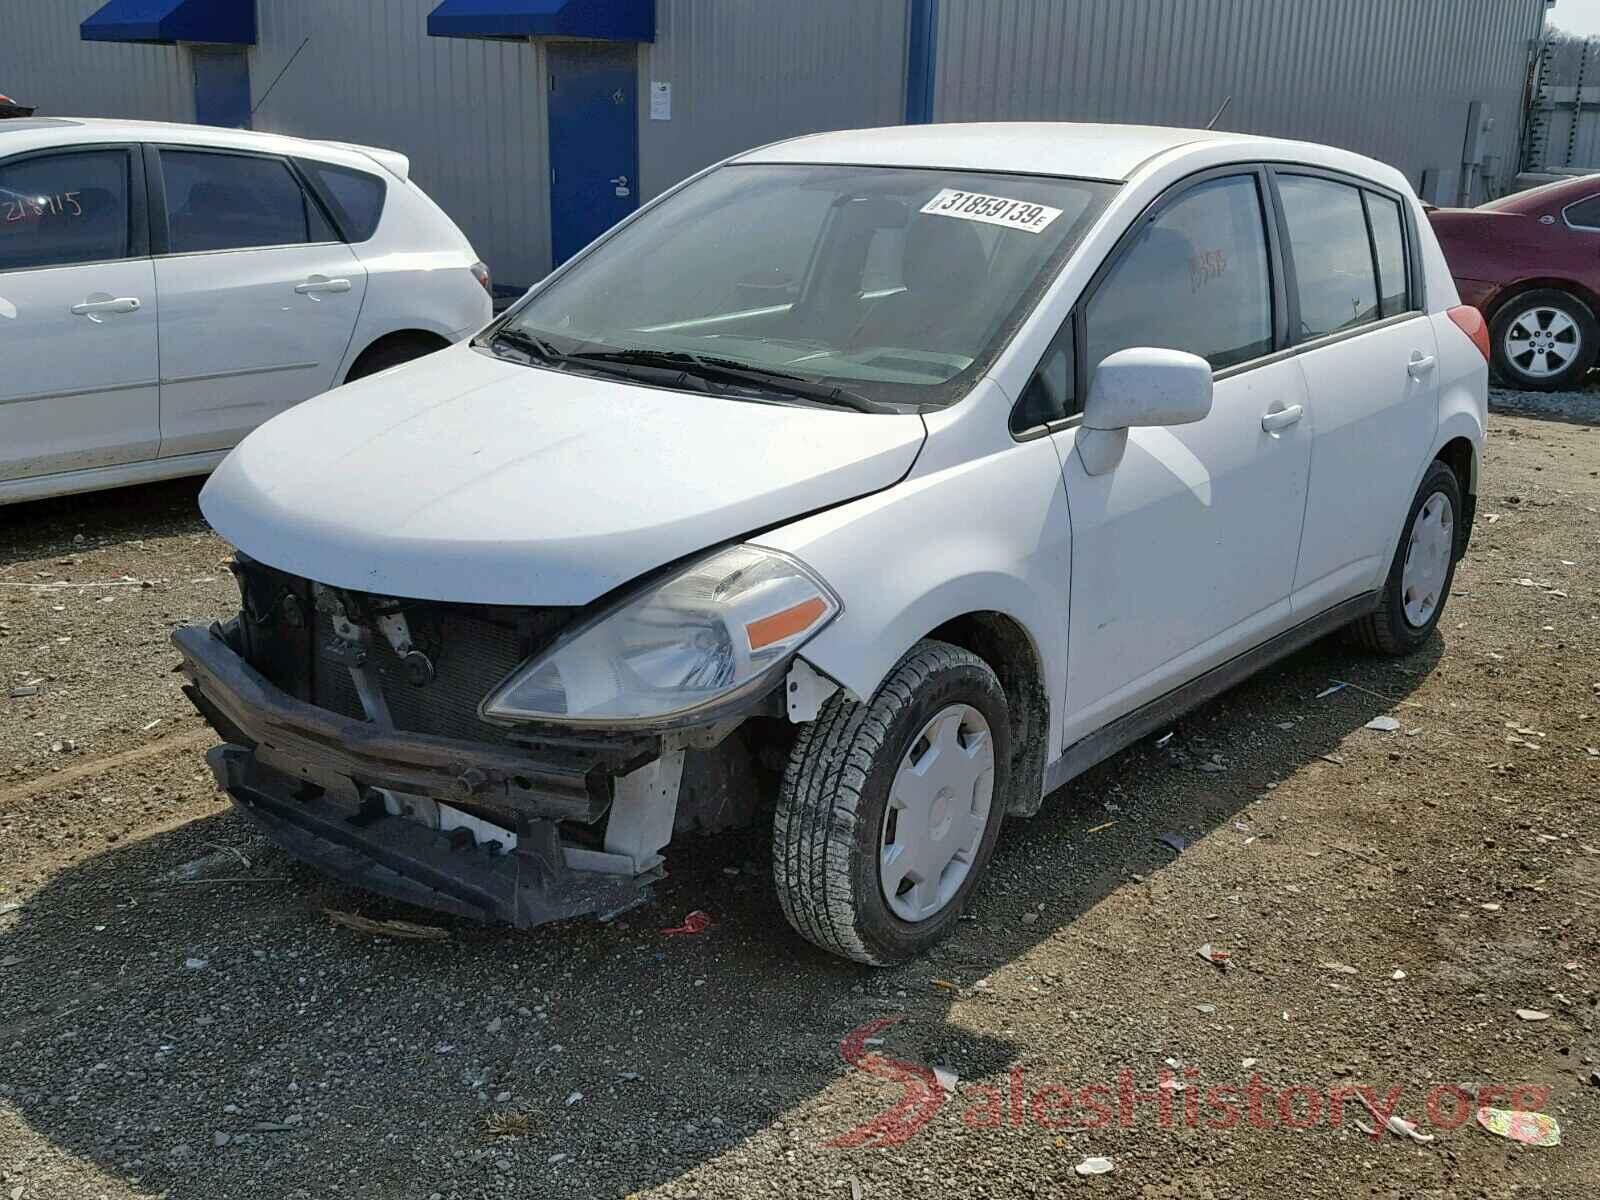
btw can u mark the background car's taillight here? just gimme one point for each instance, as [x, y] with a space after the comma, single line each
[480, 272]
[1470, 321]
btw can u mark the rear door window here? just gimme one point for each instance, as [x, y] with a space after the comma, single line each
[356, 196]
[1585, 214]
[60, 209]
[1333, 268]
[1196, 278]
[236, 202]
[1389, 245]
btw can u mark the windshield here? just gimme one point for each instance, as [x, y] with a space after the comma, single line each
[886, 286]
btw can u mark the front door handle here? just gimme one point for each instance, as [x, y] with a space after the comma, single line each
[1282, 418]
[1420, 365]
[319, 284]
[94, 309]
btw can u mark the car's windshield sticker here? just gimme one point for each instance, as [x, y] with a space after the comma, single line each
[992, 210]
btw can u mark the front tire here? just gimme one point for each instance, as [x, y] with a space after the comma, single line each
[889, 810]
[1544, 340]
[1420, 575]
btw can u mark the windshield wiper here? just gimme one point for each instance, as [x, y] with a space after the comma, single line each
[725, 370]
[530, 344]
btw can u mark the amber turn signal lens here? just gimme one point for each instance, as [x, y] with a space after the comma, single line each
[785, 623]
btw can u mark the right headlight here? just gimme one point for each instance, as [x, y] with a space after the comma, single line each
[703, 636]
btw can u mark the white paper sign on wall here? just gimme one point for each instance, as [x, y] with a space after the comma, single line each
[660, 101]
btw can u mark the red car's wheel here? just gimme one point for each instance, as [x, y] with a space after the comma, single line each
[1545, 340]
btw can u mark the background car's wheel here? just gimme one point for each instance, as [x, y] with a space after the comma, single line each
[1545, 340]
[889, 810]
[1424, 564]
[391, 351]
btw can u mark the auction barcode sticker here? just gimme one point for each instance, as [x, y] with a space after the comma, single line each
[992, 210]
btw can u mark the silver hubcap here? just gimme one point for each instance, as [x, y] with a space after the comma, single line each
[938, 810]
[1428, 559]
[1543, 342]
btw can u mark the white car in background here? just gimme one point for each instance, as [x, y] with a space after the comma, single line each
[878, 481]
[166, 288]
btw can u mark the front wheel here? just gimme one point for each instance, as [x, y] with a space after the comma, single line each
[1544, 340]
[889, 810]
[1423, 567]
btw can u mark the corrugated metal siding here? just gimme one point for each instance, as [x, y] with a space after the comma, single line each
[1392, 80]
[745, 72]
[44, 63]
[1564, 125]
[470, 114]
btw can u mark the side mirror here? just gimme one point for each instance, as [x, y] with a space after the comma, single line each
[1139, 387]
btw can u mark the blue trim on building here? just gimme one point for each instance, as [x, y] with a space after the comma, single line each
[165, 22]
[922, 49]
[599, 20]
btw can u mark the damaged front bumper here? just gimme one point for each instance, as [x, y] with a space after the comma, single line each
[461, 826]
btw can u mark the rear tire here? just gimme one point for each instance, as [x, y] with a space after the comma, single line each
[1544, 340]
[1419, 580]
[849, 816]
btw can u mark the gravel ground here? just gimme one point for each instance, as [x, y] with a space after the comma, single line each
[1389, 901]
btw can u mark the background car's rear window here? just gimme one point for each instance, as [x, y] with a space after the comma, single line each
[356, 196]
[234, 202]
[64, 208]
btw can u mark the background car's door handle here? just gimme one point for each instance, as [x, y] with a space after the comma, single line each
[1283, 418]
[318, 284]
[123, 304]
[1420, 365]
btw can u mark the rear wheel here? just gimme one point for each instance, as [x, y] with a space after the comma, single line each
[391, 352]
[1544, 340]
[888, 812]
[1423, 567]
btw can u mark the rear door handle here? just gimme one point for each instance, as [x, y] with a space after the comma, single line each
[319, 284]
[93, 308]
[1420, 365]
[1282, 418]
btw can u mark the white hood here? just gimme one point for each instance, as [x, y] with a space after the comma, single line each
[464, 478]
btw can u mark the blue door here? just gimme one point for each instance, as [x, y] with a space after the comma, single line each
[222, 88]
[594, 141]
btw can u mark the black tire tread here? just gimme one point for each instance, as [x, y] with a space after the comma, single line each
[1375, 632]
[814, 828]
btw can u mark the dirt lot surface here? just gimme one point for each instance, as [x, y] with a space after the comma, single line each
[1389, 901]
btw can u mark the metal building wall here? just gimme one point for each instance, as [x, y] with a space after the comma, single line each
[1564, 121]
[43, 63]
[470, 114]
[745, 72]
[1388, 78]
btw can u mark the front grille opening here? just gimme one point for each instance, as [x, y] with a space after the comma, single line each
[472, 648]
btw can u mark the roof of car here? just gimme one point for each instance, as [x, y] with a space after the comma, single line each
[1109, 152]
[40, 133]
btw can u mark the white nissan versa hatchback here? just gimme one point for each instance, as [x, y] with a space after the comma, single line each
[892, 476]
[166, 288]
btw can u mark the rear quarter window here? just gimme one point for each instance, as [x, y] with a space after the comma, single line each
[356, 197]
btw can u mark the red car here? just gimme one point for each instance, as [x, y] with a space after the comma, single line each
[1530, 262]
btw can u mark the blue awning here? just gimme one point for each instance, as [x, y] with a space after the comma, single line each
[229, 22]
[602, 20]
